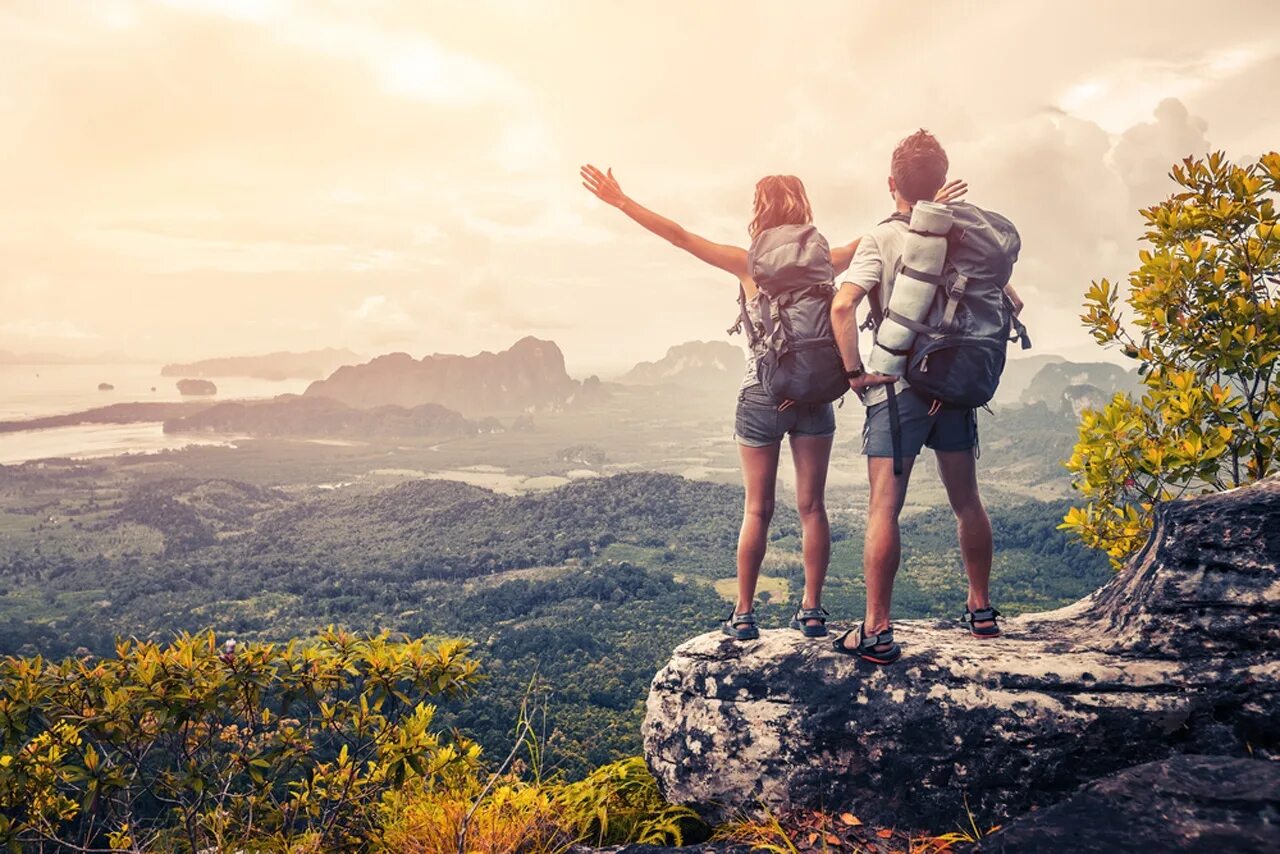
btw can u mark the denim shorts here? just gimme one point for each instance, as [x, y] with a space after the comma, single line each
[758, 423]
[946, 430]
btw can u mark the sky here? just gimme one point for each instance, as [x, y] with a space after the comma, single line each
[193, 178]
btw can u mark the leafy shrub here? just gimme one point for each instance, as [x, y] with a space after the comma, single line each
[190, 746]
[1206, 335]
[616, 804]
[319, 746]
[620, 803]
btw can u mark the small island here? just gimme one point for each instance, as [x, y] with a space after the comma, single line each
[106, 387]
[194, 387]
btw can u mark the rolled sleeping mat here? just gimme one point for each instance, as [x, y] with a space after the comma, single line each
[911, 298]
[925, 253]
[925, 249]
[931, 218]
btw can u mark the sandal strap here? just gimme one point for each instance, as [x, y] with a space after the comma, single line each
[982, 615]
[818, 613]
[867, 641]
[747, 619]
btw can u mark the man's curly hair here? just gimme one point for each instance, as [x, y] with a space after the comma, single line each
[919, 166]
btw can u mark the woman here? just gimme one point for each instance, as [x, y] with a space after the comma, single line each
[761, 422]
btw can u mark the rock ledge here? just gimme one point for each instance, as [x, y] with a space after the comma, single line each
[1177, 654]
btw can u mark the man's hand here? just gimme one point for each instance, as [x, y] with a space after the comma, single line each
[866, 381]
[603, 185]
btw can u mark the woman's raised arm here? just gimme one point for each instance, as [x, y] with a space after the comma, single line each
[842, 255]
[731, 259]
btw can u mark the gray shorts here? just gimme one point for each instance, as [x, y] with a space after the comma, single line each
[758, 423]
[948, 430]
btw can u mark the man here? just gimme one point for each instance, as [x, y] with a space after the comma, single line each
[918, 168]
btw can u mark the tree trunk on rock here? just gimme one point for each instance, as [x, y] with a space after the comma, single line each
[1177, 654]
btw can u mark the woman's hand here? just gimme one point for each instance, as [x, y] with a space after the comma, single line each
[603, 185]
[731, 259]
[950, 192]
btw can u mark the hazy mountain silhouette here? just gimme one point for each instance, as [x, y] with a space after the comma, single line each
[1018, 373]
[699, 363]
[312, 364]
[530, 376]
[1063, 385]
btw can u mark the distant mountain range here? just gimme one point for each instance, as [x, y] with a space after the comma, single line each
[116, 413]
[695, 363]
[1018, 373]
[312, 364]
[528, 377]
[1071, 386]
[291, 415]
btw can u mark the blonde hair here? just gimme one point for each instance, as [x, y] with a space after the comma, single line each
[780, 200]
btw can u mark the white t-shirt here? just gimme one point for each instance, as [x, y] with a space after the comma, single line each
[874, 265]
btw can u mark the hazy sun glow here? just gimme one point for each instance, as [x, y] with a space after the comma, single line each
[190, 177]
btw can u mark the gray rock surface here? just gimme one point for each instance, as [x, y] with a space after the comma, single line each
[1177, 654]
[1185, 803]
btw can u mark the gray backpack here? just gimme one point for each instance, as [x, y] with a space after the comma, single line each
[795, 346]
[959, 351]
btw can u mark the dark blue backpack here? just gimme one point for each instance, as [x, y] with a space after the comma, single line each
[960, 349]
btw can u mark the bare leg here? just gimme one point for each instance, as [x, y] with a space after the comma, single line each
[811, 455]
[760, 477]
[882, 546]
[958, 470]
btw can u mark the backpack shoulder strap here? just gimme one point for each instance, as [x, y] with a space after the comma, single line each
[744, 323]
[876, 315]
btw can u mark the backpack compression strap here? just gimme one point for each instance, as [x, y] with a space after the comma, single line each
[895, 428]
[744, 323]
[954, 294]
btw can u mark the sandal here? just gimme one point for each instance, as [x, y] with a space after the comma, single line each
[804, 615]
[747, 622]
[866, 648]
[982, 615]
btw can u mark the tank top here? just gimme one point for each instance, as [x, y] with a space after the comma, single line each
[752, 377]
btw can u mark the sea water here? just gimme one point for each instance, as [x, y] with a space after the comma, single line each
[37, 391]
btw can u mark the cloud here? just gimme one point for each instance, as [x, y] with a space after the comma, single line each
[1144, 152]
[200, 176]
[1125, 91]
[381, 321]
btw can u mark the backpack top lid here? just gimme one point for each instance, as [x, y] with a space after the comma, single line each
[984, 244]
[789, 258]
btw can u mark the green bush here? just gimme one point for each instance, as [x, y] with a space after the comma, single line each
[190, 745]
[1205, 332]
